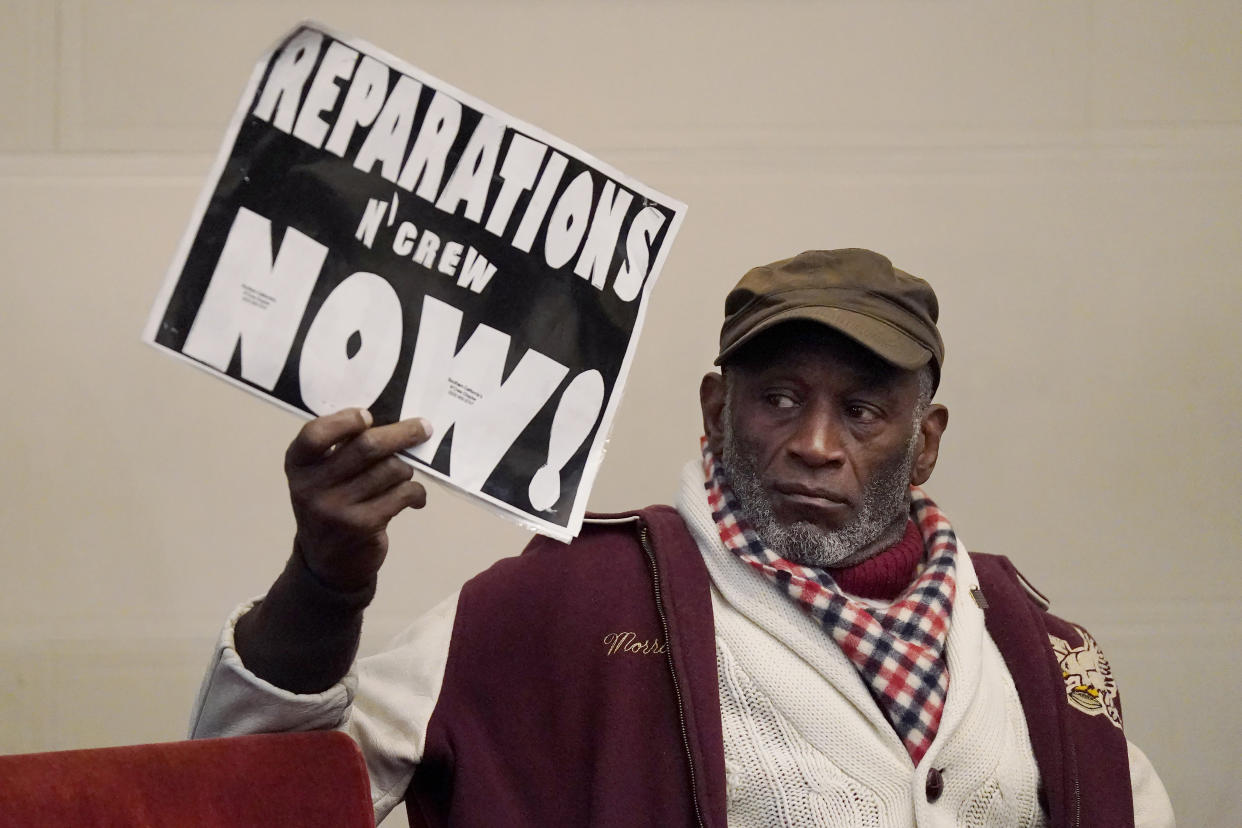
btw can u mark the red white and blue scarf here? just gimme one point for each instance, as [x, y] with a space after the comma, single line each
[898, 650]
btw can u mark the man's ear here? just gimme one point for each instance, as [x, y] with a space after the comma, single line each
[712, 400]
[935, 421]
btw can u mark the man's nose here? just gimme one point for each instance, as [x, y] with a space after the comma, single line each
[817, 439]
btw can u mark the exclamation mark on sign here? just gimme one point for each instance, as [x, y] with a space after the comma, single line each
[575, 415]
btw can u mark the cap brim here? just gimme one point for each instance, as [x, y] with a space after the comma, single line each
[889, 343]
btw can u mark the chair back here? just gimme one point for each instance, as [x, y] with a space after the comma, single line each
[303, 779]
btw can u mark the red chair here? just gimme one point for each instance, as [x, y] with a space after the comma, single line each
[302, 779]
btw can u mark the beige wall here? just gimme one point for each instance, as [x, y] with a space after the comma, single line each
[1068, 175]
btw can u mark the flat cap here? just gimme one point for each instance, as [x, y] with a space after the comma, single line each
[853, 291]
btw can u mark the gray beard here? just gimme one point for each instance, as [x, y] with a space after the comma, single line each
[884, 500]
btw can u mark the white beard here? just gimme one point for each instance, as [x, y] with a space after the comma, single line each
[885, 500]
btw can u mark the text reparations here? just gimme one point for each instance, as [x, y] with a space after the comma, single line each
[390, 124]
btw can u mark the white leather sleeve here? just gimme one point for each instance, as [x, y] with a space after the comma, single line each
[1152, 808]
[385, 701]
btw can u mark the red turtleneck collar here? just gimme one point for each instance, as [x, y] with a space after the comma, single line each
[885, 576]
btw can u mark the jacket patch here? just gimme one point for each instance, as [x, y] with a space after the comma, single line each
[1088, 677]
[629, 642]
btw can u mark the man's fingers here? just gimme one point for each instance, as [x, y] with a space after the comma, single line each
[322, 433]
[374, 445]
[366, 521]
[377, 479]
[361, 521]
[407, 495]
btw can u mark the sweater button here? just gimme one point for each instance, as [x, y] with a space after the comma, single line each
[935, 784]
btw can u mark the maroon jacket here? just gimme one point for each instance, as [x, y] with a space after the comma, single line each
[581, 689]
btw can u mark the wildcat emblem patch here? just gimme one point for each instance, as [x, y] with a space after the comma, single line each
[1088, 677]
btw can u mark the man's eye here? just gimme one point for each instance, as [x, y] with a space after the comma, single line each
[861, 413]
[781, 401]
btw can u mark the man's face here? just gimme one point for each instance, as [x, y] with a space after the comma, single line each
[821, 441]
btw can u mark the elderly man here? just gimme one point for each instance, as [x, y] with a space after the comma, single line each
[802, 641]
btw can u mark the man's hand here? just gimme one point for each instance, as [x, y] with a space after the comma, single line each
[346, 484]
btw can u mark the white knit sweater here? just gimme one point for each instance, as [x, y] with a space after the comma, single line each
[805, 744]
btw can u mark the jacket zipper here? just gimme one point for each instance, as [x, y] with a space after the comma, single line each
[645, 542]
[1077, 800]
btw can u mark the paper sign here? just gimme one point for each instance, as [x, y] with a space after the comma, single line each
[371, 236]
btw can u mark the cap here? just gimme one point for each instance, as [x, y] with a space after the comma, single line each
[853, 291]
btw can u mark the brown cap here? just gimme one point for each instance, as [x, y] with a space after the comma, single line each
[856, 292]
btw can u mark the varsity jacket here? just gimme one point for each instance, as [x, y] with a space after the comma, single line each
[532, 730]
[579, 686]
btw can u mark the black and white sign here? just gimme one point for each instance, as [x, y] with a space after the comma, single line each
[371, 236]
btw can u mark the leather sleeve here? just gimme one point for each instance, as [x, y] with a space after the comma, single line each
[384, 702]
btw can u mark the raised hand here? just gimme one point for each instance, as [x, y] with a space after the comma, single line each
[346, 483]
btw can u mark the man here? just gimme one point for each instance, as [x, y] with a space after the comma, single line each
[804, 641]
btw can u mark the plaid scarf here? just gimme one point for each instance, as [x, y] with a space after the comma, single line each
[898, 650]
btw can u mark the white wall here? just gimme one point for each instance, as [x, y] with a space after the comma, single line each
[1068, 175]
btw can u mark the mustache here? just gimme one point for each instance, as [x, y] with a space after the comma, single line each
[811, 491]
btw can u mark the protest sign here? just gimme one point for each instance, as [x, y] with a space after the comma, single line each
[371, 236]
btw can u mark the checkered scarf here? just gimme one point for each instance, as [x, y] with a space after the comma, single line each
[898, 650]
